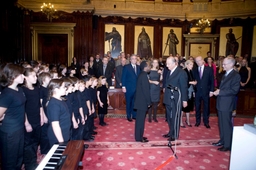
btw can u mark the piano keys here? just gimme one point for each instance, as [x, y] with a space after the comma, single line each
[64, 157]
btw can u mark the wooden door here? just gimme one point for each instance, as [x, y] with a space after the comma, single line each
[53, 48]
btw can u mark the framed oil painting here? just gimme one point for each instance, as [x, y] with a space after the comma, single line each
[254, 44]
[230, 41]
[143, 41]
[172, 40]
[114, 39]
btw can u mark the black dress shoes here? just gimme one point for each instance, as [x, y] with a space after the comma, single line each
[129, 119]
[183, 126]
[166, 136]
[223, 149]
[197, 124]
[217, 144]
[134, 118]
[143, 140]
[207, 126]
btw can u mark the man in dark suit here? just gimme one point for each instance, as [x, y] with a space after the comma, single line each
[204, 90]
[129, 80]
[142, 101]
[176, 80]
[96, 62]
[106, 69]
[118, 73]
[226, 94]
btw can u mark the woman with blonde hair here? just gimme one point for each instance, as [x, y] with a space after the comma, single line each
[245, 74]
[103, 99]
[191, 89]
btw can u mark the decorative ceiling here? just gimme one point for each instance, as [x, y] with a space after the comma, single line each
[162, 9]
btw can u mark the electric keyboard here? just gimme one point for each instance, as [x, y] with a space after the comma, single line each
[62, 156]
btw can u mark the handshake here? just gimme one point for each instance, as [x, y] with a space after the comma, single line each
[215, 93]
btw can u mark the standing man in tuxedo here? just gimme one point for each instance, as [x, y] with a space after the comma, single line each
[226, 94]
[142, 101]
[106, 69]
[129, 80]
[118, 73]
[176, 78]
[204, 90]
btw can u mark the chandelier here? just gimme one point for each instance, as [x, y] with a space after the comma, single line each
[48, 10]
[202, 24]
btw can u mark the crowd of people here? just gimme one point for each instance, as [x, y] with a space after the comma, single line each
[43, 104]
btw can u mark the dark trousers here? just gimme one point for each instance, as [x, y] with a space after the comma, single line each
[86, 132]
[90, 120]
[206, 110]
[31, 142]
[44, 141]
[77, 134]
[225, 127]
[11, 149]
[140, 124]
[129, 98]
[173, 120]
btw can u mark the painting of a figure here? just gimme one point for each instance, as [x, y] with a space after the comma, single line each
[143, 42]
[172, 41]
[172, 37]
[230, 41]
[232, 45]
[113, 39]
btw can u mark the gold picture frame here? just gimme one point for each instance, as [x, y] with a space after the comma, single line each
[112, 40]
[137, 41]
[165, 48]
[237, 31]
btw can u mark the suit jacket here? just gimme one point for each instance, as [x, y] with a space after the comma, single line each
[178, 79]
[96, 66]
[206, 84]
[108, 72]
[118, 75]
[229, 87]
[129, 78]
[142, 95]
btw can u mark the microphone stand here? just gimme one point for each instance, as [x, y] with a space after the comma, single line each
[176, 115]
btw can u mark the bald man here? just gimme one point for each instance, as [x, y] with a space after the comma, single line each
[176, 78]
[226, 94]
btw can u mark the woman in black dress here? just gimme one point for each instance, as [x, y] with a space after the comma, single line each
[191, 85]
[245, 73]
[103, 99]
[155, 76]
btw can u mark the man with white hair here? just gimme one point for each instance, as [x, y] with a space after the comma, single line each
[176, 80]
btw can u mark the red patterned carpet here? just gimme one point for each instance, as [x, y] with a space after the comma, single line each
[114, 147]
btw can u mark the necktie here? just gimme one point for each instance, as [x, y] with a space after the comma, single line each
[200, 72]
[104, 69]
[170, 72]
[134, 67]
